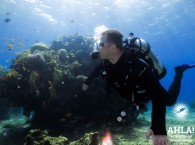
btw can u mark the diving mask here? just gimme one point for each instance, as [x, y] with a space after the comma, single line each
[95, 53]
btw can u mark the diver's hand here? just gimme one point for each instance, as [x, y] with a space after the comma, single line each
[157, 139]
[84, 88]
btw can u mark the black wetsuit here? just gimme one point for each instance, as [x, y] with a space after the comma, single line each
[133, 79]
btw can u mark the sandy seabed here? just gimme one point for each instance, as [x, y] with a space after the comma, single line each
[180, 132]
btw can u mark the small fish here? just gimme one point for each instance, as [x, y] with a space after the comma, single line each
[7, 20]
[21, 45]
[10, 46]
[181, 110]
[50, 84]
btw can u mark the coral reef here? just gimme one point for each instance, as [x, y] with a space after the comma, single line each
[63, 55]
[39, 47]
[2, 71]
[38, 137]
[88, 139]
[46, 81]
[36, 61]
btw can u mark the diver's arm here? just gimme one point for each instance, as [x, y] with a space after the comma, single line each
[95, 73]
[158, 95]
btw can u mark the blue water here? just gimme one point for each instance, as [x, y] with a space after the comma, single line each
[167, 25]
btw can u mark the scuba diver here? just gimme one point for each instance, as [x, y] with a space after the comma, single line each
[135, 74]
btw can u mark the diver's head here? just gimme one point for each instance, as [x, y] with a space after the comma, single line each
[113, 36]
[109, 45]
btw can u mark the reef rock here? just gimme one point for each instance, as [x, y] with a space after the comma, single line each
[39, 46]
[38, 137]
[87, 139]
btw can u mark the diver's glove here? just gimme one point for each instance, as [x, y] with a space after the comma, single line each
[85, 86]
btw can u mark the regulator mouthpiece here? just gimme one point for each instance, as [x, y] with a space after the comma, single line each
[95, 55]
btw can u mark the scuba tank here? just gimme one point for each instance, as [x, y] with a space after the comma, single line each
[146, 54]
[145, 48]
